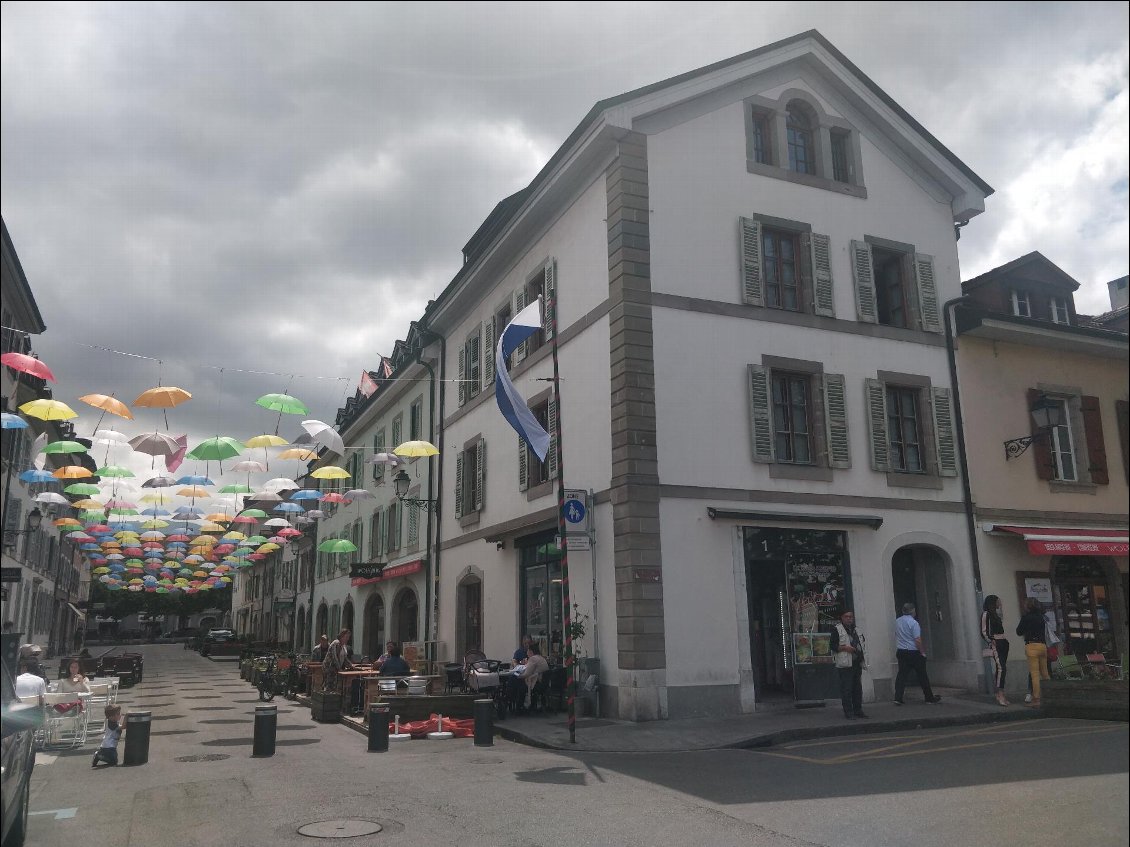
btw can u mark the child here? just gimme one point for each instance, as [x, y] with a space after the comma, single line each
[108, 752]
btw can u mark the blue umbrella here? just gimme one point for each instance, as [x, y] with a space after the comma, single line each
[154, 512]
[36, 475]
[306, 494]
[90, 546]
[288, 507]
[194, 480]
[10, 421]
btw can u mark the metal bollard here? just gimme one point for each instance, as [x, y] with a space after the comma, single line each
[378, 727]
[266, 722]
[484, 723]
[137, 738]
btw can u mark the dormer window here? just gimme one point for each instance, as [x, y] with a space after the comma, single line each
[802, 150]
[1057, 306]
[1020, 305]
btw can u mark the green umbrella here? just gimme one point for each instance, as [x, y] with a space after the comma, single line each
[259, 539]
[64, 447]
[83, 488]
[113, 470]
[337, 545]
[235, 488]
[91, 517]
[283, 403]
[254, 513]
[220, 447]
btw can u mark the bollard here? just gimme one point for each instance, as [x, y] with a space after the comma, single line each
[378, 727]
[266, 723]
[484, 723]
[137, 738]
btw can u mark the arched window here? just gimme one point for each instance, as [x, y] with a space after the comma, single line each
[406, 613]
[375, 626]
[802, 150]
[323, 621]
[347, 616]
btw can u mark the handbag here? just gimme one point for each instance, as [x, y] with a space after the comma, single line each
[987, 652]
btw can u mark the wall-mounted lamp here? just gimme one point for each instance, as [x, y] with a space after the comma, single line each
[31, 522]
[1046, 414]
[402, 482]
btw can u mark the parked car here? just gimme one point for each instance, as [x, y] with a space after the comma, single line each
[221, 635]
[17, 735]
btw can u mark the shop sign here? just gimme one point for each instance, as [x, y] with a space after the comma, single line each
[1039, 589]
[382, 573]
[10, 574]
[1078, 548]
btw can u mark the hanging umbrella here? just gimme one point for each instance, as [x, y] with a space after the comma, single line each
[37, 476]
[288, 507]
[357, 494]
[64, 447]
[337, 545]
[234, 488]
[72, 472]
[194, 479]
[30, 365]
[413, 449]
[265, 497]
[220, 447]
[120, 504]
[155, 444]
[299, 453]
[265, 441]
[109, 437]
[107, 403]
[114, 471]
[82, 488]
[244, 519]
[88, 504]
[279, 484]
[10, 421]
[159, 482]
[254, 513]
[322, 433]
[248, 466]
[52, 497]
[330, 497]
[330, 472]
[48, 410]
[289, 532]
[162, 397]
[210, 526]
[315, 513]
[154, 513]
[277, 522]
[192, 491]
[283, 403]
[306, 494]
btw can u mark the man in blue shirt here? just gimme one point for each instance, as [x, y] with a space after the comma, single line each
[911, 655]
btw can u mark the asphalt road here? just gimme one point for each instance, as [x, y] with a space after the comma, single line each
[1033, 783]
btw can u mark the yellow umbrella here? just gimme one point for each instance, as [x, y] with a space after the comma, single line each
[299, 453]
[155, 523]
[218, 517]
[107, 403]
[234, 536]
[267, 548]
[204, 539]
[48, 410]
[162, 397]
[412, 449]
[71, 471]
[67, 522]
[88, 504]
[265, 441]
[159, 497]
[330, 472]
[192, 491]
[209, 526]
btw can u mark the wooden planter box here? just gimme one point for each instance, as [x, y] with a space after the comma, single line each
[1094, 699]
[325, 706]
[422, 707]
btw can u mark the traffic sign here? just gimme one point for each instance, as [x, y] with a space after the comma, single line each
[576, 512]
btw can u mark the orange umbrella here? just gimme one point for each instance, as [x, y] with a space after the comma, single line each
[300, 453]
[192, 491]
[107, 403]
[72, 472]
[162, 397]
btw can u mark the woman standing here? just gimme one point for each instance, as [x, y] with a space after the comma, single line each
[1032, 628]
[337, 659]
[992, 631]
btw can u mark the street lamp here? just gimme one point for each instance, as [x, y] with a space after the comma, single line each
[1047, 414]
[402, 481]
[32, 523]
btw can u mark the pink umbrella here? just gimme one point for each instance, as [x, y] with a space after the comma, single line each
[27, 364]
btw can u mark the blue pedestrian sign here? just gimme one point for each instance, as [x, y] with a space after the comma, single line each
[574, 511]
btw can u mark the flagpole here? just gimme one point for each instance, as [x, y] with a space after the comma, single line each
[570, 668]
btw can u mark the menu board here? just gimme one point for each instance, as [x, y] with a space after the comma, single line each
[813, 648]
[815, 582]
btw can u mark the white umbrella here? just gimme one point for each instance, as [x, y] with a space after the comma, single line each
[265, 497]
[315, 513]
[277, 522]
[390, 459]
[52, 497]
[249, 466]
[326, 435]
[109, 436]
[280, 484]
[357, 494]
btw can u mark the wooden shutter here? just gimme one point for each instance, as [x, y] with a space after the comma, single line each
[378, 447]
[753, 291]
[928, 313]
[876, 397]
[374, 534]
[863, 272]
[836, 421]
[551, 456]
[475, 362]
[550, 310]
[480, 473]
[413, 527]
[462, 377]
[519, 353]
[394, 527]
[383, 545]
[1096, 445]
[489, 340]
[943, 432]
[459, 486]
[761, 426]
[397, 431]
[1042, 446]
[820, 259]
[523, 465]
[1122, 412]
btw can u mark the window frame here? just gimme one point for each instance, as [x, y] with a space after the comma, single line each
[899, 393]
[788, 379]
[761, 136]
[800, 138]
[1056, 446]
[1054, 304]
[840, 150]
[535, 286]
[777, 237]
[882, 289]
[1016, 296]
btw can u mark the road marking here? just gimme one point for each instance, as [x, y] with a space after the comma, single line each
[979, 744]
[60, 814]
[45, 758]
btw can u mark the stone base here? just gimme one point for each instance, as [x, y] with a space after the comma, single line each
[639, 696]
[1093, 699]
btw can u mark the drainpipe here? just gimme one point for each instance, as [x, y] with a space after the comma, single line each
[431, 617]
[429, 587]
[966, 491]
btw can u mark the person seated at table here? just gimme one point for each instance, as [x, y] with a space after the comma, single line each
[29, 684]
[318, 654]
[395, 665]
[526, 676]
[74, 681]
[384, 656]
[523, 651]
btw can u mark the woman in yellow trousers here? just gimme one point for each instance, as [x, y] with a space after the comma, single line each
[1032, 629]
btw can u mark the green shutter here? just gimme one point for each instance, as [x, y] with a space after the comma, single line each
[929, 315]
[820, 256]
[761, 428]
[379, 447]
[551, 456]
[836, 421]
[489, 340]
[475, 362]
[523, 465]
[550, 310]
[943, 432]
[393, 527]
[863, 272]
[749, 232]
[413, 527]
[462, 376]
[876, 397]
[459, 486]
[480, 473]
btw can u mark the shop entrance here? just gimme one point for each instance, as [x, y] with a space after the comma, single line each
[920, 575]
[1084, 607]
[375, 626]
[796, 586]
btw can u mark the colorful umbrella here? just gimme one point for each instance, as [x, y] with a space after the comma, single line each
[254, 513]
[194, 479]
[107, 403]
[283, 403]
[306, 494]
[37, 476]
[248, 466]
[413, 449]
[10, 421]
[162, 397]
[235, 488]
[330, 472]
[82, 489]
[109, 437]
[337, 545]
[299, 453]
[159, 482]
[192, 491]
[265, 440]
[72, 472]
[30, 365]
[220, 447]
[155, 444]
[64, 447]
[114, 471]
[48, 410]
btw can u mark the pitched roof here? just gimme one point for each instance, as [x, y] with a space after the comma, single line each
[1035, 258]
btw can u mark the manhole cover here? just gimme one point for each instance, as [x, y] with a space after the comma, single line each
[340, 829]
[203, 757]
[484, 761]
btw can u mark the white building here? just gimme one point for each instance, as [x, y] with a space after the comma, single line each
[751, 261]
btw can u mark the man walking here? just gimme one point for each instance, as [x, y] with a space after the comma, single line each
[847, 648]
[911, 654]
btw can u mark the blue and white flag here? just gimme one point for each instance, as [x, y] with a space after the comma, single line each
[510, 402]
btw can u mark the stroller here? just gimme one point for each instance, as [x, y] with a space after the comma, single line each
[481, 677]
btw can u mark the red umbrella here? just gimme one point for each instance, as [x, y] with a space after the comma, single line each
[27, 364]
[290, 532]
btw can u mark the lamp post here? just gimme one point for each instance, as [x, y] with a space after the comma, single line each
[1047, 414]
[402, 482]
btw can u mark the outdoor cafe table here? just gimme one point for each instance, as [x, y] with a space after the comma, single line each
[373, 692]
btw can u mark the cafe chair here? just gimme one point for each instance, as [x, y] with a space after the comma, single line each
[453, 678]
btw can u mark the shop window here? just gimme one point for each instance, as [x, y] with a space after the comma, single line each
[541, 611]
[1083, 606]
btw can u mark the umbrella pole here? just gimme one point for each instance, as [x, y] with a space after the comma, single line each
[570, 668]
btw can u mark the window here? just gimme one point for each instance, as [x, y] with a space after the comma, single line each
[470, 478]
[890, 287]
[802, 152]
[761, 131]
[536, 288]
[416, 419]
[397, 431]
[894, 285]
[903, 431]
[541, 610]
[1020, 305]
[470, 366]
[1058, 308]
[379, 447]
[792, 431]
[393, 534]
[780, 269]
[538, 471]
[1063, 446]
[841, 169]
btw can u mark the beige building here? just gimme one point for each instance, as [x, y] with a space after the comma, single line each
[1049, 504]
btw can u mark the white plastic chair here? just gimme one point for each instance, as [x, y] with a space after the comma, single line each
[96, 707]
[67, 729]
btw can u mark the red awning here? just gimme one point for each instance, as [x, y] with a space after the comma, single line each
[1066, 541]
[391, 572]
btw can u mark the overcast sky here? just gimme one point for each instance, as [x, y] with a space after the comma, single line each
[282, 187]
